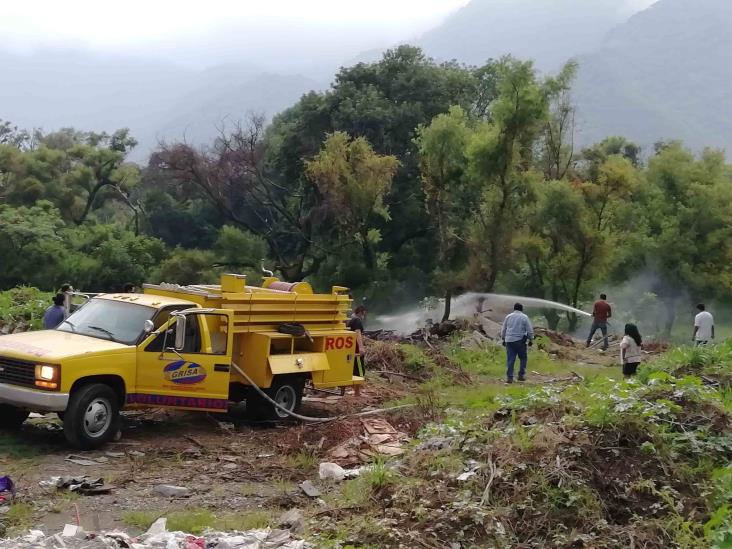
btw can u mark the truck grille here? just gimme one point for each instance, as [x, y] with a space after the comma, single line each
[17, 372]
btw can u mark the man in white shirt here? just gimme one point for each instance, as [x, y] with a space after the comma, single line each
[516, 333]
[703, 326]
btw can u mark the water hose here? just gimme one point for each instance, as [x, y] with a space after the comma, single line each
[308, 419]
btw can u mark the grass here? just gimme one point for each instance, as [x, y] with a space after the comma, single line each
[19, 516]
[18, 450]
[198, 520]
[545, 440]
[303, 460]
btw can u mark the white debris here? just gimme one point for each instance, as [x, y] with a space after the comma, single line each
[170, 491]
[331, 471]
[157, 527]
[160, 539]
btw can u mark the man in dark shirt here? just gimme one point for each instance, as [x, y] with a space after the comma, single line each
[355, 324]
[54, 315]
[601, 312]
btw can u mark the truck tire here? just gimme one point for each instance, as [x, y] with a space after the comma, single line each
[11, 418]
[286, 390]
[92, 416]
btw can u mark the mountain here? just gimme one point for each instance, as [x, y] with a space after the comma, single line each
[664, 74]
[548, 31]
[156, 100]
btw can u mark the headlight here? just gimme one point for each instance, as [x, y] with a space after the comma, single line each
[46, 372]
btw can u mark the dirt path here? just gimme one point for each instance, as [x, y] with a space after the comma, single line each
[228, 465]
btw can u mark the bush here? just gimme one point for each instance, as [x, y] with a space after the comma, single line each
[22, 308]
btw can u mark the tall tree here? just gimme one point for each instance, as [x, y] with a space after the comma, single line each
[449, 197]
[353, 181]
[500, 158]
[688, 207]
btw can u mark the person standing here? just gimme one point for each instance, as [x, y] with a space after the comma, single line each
[55, 314]
[355, 324]
[703, 326]
[630, 350]
[516, 333]
[601, 312]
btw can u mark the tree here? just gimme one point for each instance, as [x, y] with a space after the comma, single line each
[353, 181]
[234, 176]
[500, 160]
[383, 102]
[448, 194]
[687, 210]
[78, 172]
[557, 143]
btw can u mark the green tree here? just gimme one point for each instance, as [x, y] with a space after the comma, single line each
[353, 181]
[448, 194]
[687, 208]
[500, 161]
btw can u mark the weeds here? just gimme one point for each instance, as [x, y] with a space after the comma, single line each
[602, 463]
[19, 516]
[198, 520]
[304, 460]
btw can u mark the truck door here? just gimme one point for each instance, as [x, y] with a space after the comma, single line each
[195, 375]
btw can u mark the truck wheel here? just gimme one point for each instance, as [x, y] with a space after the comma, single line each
[12, 418]
[285, 391]
[92, 416]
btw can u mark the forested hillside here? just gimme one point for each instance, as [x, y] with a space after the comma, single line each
[548, 31]
[407, 178]
[662, 75]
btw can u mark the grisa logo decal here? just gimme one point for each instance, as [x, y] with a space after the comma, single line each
[185, 373]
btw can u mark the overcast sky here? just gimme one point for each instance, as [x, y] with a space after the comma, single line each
[204, 32]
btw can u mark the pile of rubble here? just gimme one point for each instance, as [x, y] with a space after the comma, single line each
[157, 537]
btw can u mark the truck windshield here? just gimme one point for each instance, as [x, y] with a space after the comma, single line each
[118, 321]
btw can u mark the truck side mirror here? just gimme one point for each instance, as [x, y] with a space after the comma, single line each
[148, 327]
[180, 332]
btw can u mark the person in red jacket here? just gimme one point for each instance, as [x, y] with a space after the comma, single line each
[601, 312]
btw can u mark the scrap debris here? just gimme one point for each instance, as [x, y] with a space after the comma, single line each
[157, 537]
[379, 438]
[83, 485]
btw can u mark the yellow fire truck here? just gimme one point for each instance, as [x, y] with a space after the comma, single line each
[195, 347]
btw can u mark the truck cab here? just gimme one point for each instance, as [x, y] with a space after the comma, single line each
[189, 348]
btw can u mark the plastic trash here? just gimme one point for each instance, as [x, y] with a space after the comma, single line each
[331, 471]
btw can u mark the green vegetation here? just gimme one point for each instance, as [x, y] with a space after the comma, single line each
[406, 178]
[23, 307]
[19, 516]
[197, 520]
[594, 462]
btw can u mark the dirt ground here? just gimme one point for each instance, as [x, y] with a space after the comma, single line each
[229, 464]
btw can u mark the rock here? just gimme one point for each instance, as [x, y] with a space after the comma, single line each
[331, 471]
[436, 443]
[292, 520]
[465, 476]
[310, 489]
[158, 527]
[169, 491]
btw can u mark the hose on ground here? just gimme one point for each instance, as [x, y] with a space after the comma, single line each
[308, 419]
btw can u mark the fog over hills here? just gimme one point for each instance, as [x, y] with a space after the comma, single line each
[548, 31]
[662, 75]
[157, 100]
[656, 73]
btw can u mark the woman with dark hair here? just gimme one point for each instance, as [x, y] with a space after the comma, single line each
[630, 350]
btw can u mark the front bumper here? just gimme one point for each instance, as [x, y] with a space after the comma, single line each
[30, 399]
